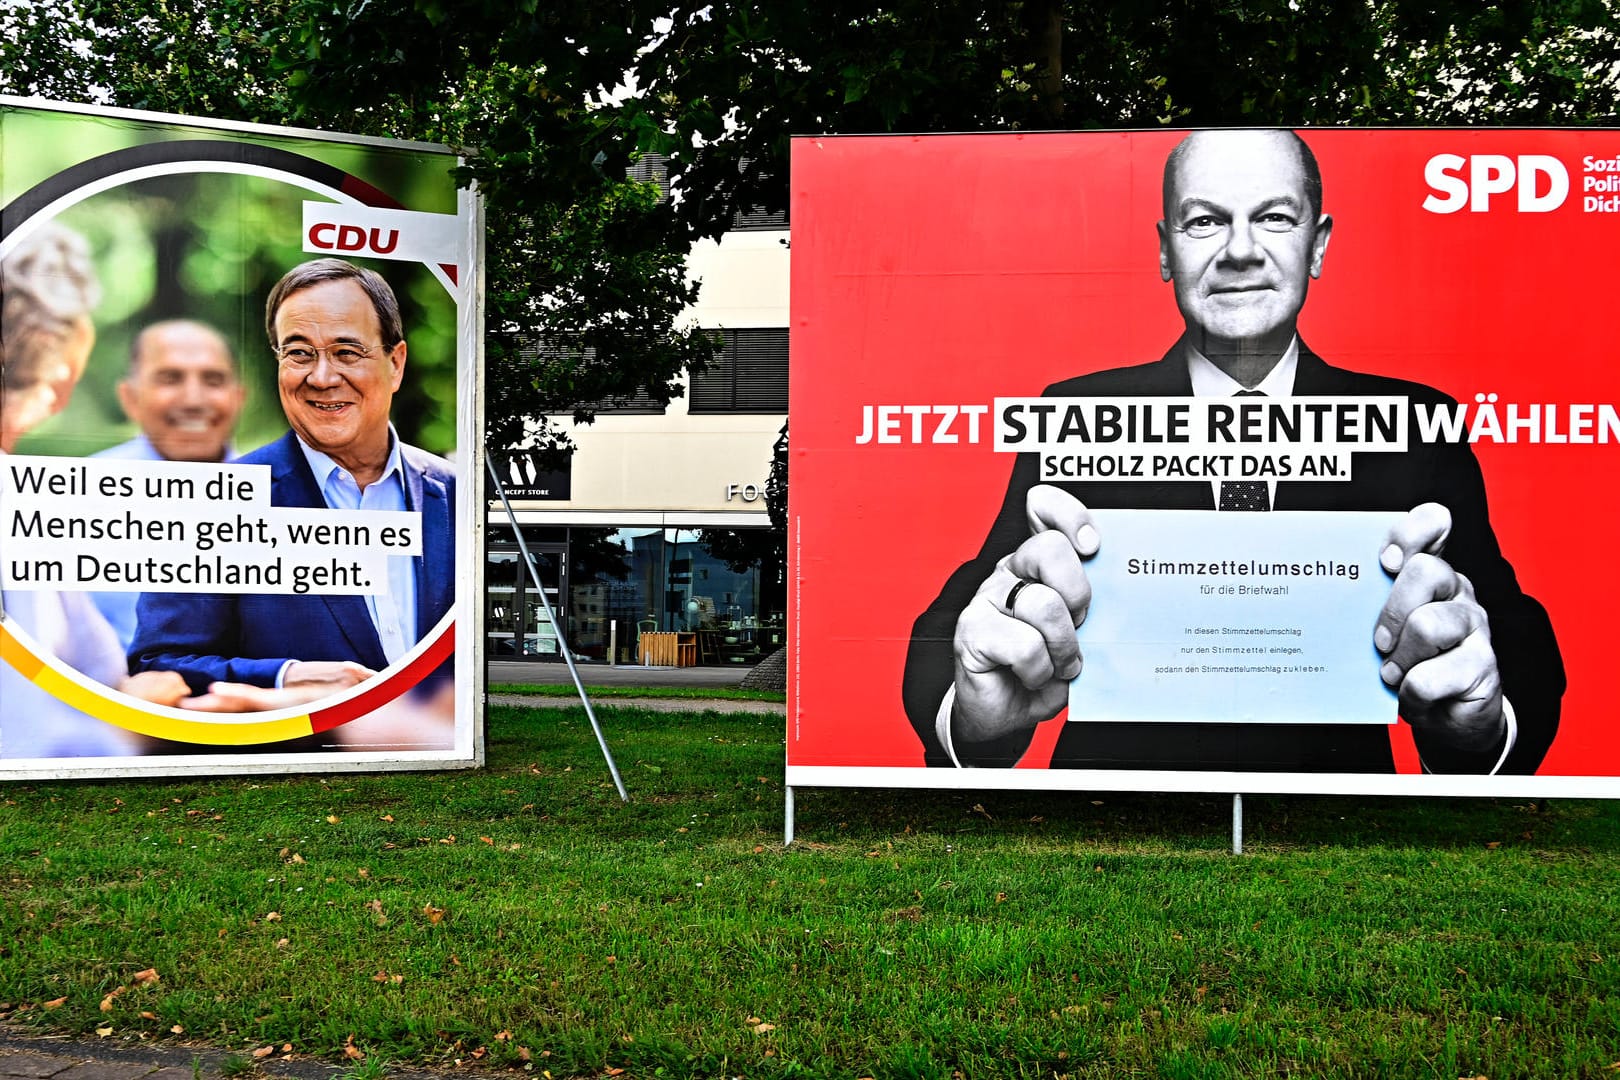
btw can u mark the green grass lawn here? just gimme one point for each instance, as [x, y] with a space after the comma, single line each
[520, 916]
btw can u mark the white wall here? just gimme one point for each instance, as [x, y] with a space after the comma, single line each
[680, 469]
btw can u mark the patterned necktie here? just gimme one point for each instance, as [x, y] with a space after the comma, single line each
[1245, 494]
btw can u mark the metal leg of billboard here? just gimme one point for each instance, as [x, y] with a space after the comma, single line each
[1237, 824]
[787, 817]
[562, 639]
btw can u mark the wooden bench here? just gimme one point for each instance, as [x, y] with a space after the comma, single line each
[669, 649]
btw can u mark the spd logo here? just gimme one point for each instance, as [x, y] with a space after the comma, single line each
[1539, 182]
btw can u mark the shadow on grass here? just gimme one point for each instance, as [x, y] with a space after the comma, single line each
[714, 750]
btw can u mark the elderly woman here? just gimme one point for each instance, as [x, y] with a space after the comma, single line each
[47, 289]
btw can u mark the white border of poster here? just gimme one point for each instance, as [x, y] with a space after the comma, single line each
[446, 732]
[941, 281]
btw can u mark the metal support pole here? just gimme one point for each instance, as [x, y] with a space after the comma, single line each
[1237, 824]
[787, 822]
[562, 640]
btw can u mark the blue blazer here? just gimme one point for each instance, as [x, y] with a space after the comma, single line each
[209, 637]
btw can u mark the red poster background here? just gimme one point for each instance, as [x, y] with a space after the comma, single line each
[953, 269]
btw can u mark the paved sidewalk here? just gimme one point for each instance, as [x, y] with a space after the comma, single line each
[556, 674]
[24, 1056]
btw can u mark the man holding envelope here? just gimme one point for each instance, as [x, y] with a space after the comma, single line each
[1471, 658]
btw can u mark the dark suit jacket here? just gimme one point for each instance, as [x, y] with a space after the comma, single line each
[1447, 473]
[210, 637]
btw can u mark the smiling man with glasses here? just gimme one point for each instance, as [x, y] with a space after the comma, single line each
[336, 332]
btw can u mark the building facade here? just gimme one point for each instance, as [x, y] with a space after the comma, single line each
[629, 539]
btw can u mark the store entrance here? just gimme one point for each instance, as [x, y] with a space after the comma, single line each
[515, 623]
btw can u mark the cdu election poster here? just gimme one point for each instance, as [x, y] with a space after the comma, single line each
[1226, 460]
[238, 448]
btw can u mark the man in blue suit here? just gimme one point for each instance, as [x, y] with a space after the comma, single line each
[336, 331]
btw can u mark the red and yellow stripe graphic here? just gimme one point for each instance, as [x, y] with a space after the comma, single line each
[137, 716]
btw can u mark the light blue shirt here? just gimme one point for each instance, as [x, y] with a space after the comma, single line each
[393, 613]
[118, 608]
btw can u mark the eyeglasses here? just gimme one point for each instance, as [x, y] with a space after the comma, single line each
[344, 356]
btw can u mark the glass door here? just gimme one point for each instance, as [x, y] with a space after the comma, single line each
[502, 616]
[540, 636]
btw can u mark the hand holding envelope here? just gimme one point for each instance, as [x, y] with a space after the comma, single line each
[1014, 660]
[1437, 639]
[1016, 647]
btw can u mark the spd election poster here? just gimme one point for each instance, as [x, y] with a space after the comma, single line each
[238, 448]
[1253, 461]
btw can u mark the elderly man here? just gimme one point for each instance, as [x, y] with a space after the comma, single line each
[183, 393]
[1473, 659]
[335, 329]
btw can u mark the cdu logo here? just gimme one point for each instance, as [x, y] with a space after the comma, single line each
[330, 236]
[332, 228]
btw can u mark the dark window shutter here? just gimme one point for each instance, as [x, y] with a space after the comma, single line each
[749, 376]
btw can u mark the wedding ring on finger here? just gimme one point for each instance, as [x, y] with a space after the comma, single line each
[1012, 595]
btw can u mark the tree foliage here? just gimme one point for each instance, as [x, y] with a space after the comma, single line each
[585, 273]
[743, 76]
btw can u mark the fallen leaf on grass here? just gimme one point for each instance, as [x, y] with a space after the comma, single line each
[177, 1030]
[759, 849]
[143, 978]
[503, 1036]
[272, 916]
[388, 818]
[264, 1051]
[103, 1032]
[351, 1051]
[107, 1002]
[286, 1048]
[1490, 846]
[434, 914]
[332, 819]
[147, 1014]
[485, 840]
[282, 943]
